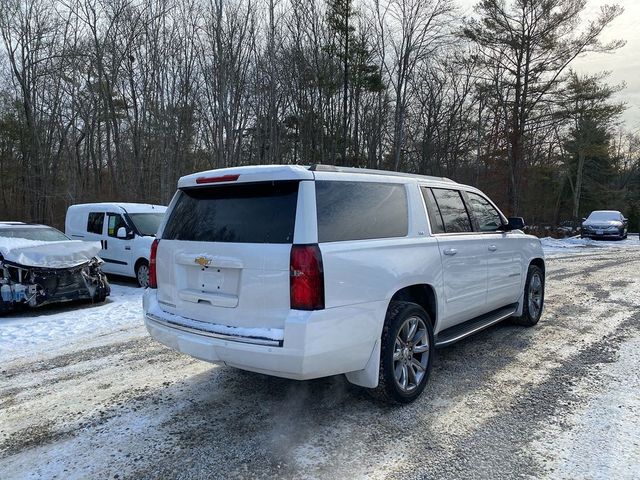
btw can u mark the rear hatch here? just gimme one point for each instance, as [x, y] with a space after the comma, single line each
[224, 254]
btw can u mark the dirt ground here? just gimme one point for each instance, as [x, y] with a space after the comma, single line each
[560, 400]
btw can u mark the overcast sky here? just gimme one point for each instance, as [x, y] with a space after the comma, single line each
[624, 64]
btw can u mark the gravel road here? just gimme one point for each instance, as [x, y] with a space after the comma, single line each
[560, 400]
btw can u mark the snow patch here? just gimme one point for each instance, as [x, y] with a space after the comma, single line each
[574, 245]
[602, 442]
[49, 329]
[268, 333]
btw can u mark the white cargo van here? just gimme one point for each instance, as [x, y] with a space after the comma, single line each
[125, 230]
[308, 272]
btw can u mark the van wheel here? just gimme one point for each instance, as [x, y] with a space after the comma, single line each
[406, 353]
[142, 273]
[533, 298]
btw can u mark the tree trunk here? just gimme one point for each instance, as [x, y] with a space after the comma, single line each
[577, 194]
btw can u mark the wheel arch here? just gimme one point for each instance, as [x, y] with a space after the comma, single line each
[138, 262]
[422, 294]
[538, 262]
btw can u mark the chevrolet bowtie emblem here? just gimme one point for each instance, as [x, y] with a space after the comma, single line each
[203, 261]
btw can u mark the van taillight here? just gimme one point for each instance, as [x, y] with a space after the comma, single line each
[306, 278]
[153, 280]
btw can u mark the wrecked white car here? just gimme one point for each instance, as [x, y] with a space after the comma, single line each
[40, 265]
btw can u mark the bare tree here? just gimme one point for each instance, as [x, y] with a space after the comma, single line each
[418, 29]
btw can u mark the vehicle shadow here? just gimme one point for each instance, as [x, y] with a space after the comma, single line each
[122, 280]
[234, 419]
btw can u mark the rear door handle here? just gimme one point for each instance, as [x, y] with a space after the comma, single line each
[492, 248]
[450, 251]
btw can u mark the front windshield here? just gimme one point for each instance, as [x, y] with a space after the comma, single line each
[41, 234]
[604, 216]
[147, 223]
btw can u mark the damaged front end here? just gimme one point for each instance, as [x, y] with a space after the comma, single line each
[22, 285]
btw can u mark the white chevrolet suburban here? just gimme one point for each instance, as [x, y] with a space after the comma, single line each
[306, 272]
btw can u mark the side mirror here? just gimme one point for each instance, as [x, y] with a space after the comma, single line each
[122, 233]
[584, 219]
[515, 223]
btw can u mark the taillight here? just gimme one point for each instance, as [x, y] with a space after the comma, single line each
[306, 278]
[153, 280]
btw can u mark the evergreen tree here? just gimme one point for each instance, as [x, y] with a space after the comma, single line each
[358, 73]
[587, 106]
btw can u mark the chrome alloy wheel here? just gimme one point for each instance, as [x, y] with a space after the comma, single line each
[143, 276]
[411, 354]
[535, 295]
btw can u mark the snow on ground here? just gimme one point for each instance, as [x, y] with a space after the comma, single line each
[577, 245]
[59, 327]
[603, 441]
[85, 393]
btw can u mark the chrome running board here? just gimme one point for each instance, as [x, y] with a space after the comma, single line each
[463, 330]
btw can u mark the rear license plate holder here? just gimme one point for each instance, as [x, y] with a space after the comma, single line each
[211, 280]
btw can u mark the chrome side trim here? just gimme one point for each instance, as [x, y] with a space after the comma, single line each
[207, 333]
[477, 329]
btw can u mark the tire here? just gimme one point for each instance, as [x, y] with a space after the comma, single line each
[142, 273]
[99, 298]
[412, 368]
[102, 292]
[530, 314]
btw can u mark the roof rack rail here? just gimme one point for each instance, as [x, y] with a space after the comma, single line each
[318, 167]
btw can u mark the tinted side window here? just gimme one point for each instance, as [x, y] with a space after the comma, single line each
[435, 219]
[360, 210]
[243, 213]
[486, 216]
[95, 222]
[454, 213]
[115, 222]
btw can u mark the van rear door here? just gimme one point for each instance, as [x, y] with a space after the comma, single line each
[224, 253]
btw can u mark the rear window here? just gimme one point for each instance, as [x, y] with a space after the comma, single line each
[360, 210]
[435, 218]
[454, 213]
[249, 213]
